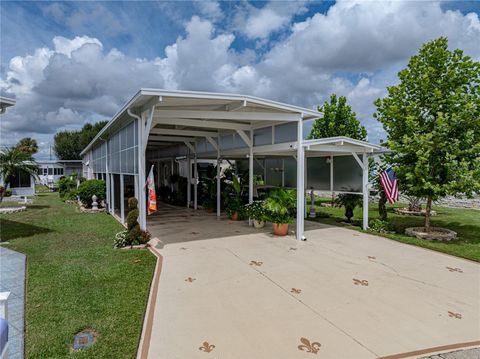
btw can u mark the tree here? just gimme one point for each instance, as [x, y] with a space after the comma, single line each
[14, 162]
[69, 144]
[338, 120]
[28, 145]
[432, 118]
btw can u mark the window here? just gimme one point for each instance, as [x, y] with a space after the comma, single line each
[50, 171]
[45, 171]
[40, 171]
[55, 171]
[60, 171]
[21, 179]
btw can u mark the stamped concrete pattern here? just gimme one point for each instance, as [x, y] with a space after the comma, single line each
[361, 296]
[12, 279]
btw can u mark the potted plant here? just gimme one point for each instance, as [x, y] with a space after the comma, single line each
[349, 201]
[280, 205]
[233, 203]
[257, 212]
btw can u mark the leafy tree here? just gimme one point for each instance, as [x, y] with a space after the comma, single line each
[14, 162]
[338, 120]
[432, 118]
[28, 145]
[69, 144]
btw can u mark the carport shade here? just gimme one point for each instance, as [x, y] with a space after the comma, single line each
[167, 119]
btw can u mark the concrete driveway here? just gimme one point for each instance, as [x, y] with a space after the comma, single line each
[347, 294]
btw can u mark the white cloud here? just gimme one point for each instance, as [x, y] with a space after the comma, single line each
[259, 23]
[355, 49]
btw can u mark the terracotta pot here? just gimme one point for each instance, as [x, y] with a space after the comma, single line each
[209, 210]
[234, 216]
[280, 229]
[258, 224]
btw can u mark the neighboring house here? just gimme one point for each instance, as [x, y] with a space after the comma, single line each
[23, 185]
[50, 171]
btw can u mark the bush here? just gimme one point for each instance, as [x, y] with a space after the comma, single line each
[65, 185]
[8, 193]
[377, 225]
[89, 188]
[133, 234]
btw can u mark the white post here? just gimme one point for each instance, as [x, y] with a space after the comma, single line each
[365, 190]
[142, 205]
[218, 185]
[305, 174]
[195, 180]
[189, 180]
[250, 174]
[300, 180]
[122, 200]
[112, 195]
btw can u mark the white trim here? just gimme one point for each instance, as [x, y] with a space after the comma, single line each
[175, 132]
[226, 115]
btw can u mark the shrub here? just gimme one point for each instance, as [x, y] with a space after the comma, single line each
[349, 201]
[377, 225]
[8, 193]
[89, 188]
[65, 185]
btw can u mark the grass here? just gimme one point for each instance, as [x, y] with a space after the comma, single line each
[466, 222]
[75, 280]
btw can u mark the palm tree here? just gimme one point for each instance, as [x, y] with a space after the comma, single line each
[14, 161]
[28, 145]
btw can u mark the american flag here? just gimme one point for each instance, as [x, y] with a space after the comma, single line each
[389, 184]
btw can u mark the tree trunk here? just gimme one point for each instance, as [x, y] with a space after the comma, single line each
[427, 214]
[382, 209]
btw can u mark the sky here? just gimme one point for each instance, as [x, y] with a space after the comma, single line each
[69, 63]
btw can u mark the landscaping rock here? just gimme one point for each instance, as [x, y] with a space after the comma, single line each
[12, 209]
[436, 233]
[413, 213]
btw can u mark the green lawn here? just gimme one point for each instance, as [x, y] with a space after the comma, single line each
[75, 280]
[466, 222]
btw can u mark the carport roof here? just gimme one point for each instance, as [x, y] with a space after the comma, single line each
[179, 106]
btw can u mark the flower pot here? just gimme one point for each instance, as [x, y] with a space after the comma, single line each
[258, 224]
[280, 229]
[209, 209]
[234, 216]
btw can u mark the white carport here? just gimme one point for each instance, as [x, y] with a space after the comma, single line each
[200, 125]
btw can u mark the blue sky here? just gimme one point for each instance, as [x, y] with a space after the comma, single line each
[68, 63]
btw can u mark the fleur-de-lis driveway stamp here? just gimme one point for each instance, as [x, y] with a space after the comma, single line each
[372, 257]
[309, 347]
[255, 263]
[293, 248]
[190, 279]
[362, 282]
[454, 269]
[454, 315]
[296, 291]
[206, 347]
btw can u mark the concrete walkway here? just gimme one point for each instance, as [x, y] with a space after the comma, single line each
[12, 279]
[341, 294]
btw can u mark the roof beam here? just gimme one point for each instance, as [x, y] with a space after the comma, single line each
[228, 115]
[236, 107]
[178, 132]
[190, 146]
[213, 142]
[171, 138]
[201, 123]
[245, 137]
